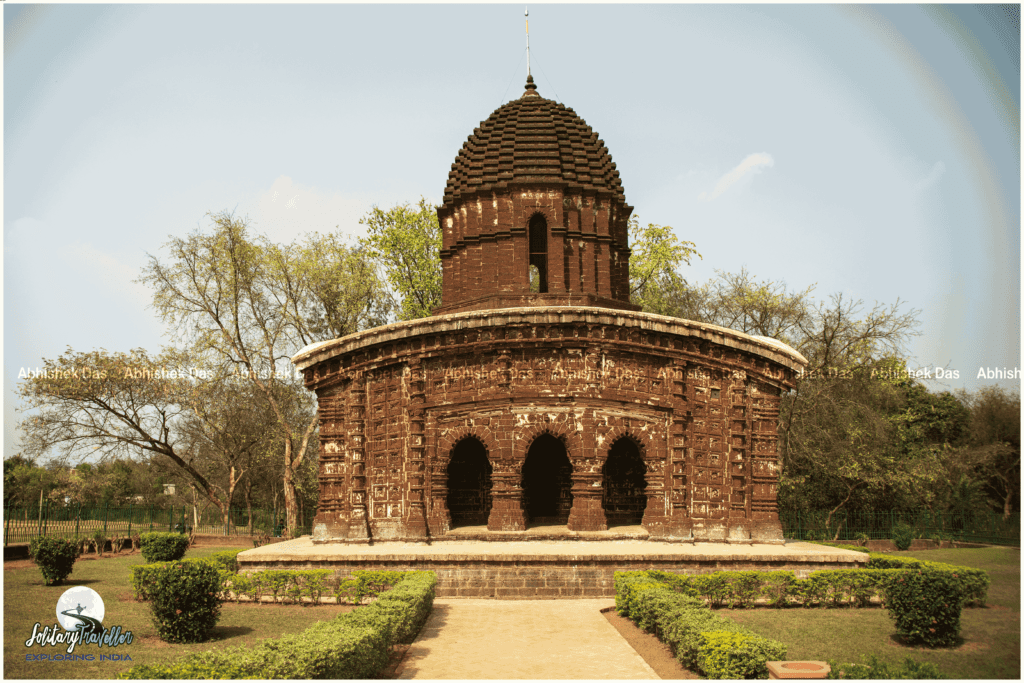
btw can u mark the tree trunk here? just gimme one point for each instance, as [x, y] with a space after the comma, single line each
[290, 466]
[248, 502]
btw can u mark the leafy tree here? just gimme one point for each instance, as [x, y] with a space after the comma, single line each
[993, 447]
[24, 481]
[325, 289]
[246, 307]
[656, 256]
[848, 437]
[114, 405]
[406, 242]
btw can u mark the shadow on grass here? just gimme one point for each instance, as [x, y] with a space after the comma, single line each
[71, 583]
[226, 632]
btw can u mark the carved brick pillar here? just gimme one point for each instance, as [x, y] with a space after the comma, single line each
[764, 466]
[440, 517]
[556, 260]
[738, 475]
[587, 513]
[506, 497]
[332, 519]
[415, 465]
[359, 523]
[680, 464]
[656, 519]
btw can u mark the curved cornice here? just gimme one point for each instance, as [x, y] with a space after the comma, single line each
[764, 347]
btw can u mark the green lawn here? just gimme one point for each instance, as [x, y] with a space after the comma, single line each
[27, 601]
[991, 634]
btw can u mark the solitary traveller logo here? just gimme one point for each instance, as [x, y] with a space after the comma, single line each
[80, 613]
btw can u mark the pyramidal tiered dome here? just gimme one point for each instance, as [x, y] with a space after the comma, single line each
[534, 187]
[532, 140]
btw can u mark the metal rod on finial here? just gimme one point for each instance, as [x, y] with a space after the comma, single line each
[527, 41]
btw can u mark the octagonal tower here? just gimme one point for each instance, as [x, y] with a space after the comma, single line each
[534, 186]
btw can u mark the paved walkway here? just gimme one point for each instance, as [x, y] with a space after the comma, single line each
[522, 639]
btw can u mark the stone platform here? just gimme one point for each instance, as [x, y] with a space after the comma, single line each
[558, 567]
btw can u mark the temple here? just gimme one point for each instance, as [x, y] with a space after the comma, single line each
[537, 394]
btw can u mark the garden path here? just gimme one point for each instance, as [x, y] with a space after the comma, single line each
[521, 639]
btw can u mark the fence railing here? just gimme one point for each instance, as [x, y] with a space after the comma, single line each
[21, 524]
[972, 527]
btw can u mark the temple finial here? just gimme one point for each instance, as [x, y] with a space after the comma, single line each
[528, 42]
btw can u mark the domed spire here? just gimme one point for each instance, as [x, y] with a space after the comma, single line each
[531, 88]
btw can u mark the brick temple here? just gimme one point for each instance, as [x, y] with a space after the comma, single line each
[537, 394]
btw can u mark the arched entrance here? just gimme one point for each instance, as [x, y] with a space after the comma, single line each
[624, 500]
[469, 484]
[547, 482]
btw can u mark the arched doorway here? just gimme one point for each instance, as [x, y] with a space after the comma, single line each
[547, 482]
[469, 483]
[624, 500]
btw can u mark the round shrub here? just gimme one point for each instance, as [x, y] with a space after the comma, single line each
[158, 546]
[902, 535]
[926, 604]
[55, 557]
[184, 600]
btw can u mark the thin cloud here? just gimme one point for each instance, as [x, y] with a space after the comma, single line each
[752, 164]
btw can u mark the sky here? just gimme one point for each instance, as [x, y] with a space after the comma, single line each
[872, 151]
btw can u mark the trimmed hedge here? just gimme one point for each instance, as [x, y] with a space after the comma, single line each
[285, 586]
[185, 600]
[55, 557]
[924, 598]
[352, 645]
[731, 654]
[825, 588]
[227, 559]
[875, 669]
[163, 546]
[700, 639]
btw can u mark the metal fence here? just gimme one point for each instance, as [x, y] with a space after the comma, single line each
[21, 524]
[973, 527]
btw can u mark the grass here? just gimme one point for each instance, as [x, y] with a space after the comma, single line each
[27, 601]
[991, 634]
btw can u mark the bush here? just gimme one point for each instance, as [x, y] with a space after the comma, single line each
[142, 579]
[683, 622]
[55, 557]
[352, 645]
[902, 535]
[925, 604]
[100, 539]
[875, 669]
[227, 559]
[185, 600]
[158, 546]
[734, 655]
[973, 582]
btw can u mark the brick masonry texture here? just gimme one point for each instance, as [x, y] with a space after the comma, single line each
[559, 406]
[563, 568]
[554, 578]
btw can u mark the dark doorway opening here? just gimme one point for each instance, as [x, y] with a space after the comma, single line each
[624, 500]
[547, 482]
[469, 484]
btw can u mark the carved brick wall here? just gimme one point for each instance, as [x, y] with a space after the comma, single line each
[701, 407]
